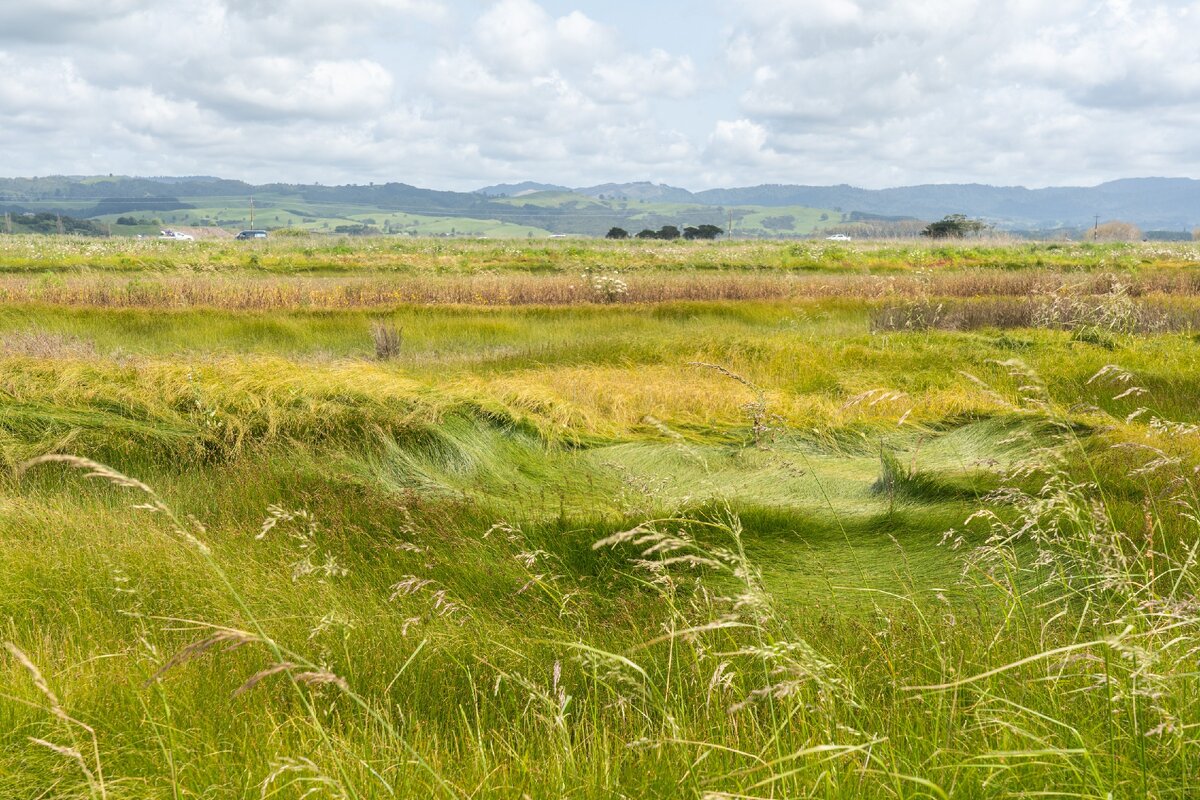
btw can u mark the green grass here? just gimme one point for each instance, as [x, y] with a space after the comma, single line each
[546, 552]
[399, 256]
[803, 220]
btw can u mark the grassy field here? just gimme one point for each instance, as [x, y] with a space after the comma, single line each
[598, 520]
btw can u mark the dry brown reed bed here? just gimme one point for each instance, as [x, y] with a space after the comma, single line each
[320, 293]
[1113, 313]
[282, 293]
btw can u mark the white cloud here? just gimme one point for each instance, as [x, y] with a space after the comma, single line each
[52, 20]
[1006, 91]
[457, 93]
[339, 90]
[1123, 58]
[518, 36]
[635, 76]
[739, 142]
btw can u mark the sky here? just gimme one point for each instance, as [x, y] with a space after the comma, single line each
[458, 94]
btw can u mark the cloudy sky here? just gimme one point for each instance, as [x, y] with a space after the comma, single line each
[460, 93]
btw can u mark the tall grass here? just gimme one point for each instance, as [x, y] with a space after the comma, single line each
[712, 550]
[658, 661]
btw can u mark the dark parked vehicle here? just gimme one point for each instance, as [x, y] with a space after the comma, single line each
[252, 235]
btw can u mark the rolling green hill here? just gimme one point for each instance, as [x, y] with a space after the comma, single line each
[778, 211]
[394, 209]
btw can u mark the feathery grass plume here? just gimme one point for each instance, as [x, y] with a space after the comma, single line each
[439, 603]
[54, 705]
[307, 677]
[302, 529]
[763, 423]
[93, 775]
[626, 681]
[874, 397]
[548, 581]
[96, 470]
[263, 674]
[223, 640]
[771, 665]
[549, 703]
[1085, 558]
[305, 776]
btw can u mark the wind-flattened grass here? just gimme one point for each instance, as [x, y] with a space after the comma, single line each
[604, 373]
[677, 693]
[543, 553]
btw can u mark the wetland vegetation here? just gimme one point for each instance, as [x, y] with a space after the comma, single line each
[418, 518]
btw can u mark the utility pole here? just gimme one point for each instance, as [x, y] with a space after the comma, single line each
[7, 222]
[252, 212]
[60, 225]
[729, 230]
[1096, 229]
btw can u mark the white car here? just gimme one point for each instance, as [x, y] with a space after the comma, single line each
[176, 236]
[837, 237]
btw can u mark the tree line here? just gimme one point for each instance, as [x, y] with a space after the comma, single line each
[669, 233]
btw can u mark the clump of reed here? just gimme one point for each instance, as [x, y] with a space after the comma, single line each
[388, 339]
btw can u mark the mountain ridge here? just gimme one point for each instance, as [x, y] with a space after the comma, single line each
[1166, 203]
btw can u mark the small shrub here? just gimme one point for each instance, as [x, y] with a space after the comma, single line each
[388, 339]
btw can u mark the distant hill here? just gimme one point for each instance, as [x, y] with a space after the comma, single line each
[522, 210]
[1148, 202]
[120, 205]
[1168, 203]
[537, 209]
[516, 189]
[643, 190]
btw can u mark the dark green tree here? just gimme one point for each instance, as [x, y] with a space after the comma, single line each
[702, 232]
[953, 226]
[617, 233]
[668, 232]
